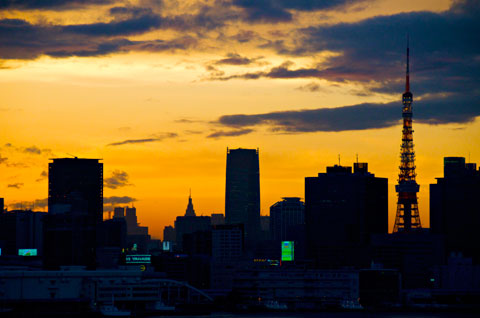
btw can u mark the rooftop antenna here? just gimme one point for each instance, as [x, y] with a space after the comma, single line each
[357, 158]
[72, 155]
[339, 159]
[407, 82]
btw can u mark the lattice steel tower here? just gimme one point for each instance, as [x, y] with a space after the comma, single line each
[407, 218]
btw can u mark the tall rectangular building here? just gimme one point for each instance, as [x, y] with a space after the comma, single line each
[242, 193]
[75, 211]
[74, 179]
[455, 209]
[342, 210]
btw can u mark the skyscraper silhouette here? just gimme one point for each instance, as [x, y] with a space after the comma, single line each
[342, 210]
[407, 217]
[454, 209]
[73, 179]
[75, 211]
[242, 192]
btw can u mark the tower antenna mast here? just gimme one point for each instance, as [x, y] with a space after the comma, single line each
[407, 218]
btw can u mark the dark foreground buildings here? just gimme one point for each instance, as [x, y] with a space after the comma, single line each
[189, 224]
[285, 217]
[455, 209]
[75, 210]
[242, 194]
[342, 209]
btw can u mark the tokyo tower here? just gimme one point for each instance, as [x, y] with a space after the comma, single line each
[407, 218]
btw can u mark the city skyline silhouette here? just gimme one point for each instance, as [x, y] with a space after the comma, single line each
[160, 102]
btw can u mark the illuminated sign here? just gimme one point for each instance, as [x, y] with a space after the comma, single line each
[166, 245]
[271, 262]
[287, 250]
[0, 252]
[138, 259]
[27, 252]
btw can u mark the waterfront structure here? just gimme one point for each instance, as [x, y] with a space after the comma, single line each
[454, 209]
[297, 288]
[342, 210]
[407, 217]
[285, 215]
[74, 289]
[242, 192]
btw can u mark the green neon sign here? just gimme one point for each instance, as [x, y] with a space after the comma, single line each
[288, 250]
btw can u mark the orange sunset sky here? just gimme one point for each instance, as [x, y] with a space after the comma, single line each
[150, 86]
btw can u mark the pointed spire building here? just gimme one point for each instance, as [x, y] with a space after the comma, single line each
[190, 211]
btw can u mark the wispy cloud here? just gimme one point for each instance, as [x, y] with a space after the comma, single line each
[156, 138]
[33, 150]
[43, 176]
[236, 59]
[110, 202]
[32, 205]
[118, 179]
[17, 185]
[231, 133]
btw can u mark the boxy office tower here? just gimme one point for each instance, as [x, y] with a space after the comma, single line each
[455, 209]
[75, 210]
[342, 210]
[242, 192]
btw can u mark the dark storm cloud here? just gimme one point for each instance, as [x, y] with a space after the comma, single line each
[444, 50]
[232, 133]
[48, 4]
[22, 40]
[132, 26]
[156, 138]
[361, 116]
[273, 11]
[118, 179]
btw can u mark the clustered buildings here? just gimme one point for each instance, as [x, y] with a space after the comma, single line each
[333, 249]
[339, 236]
